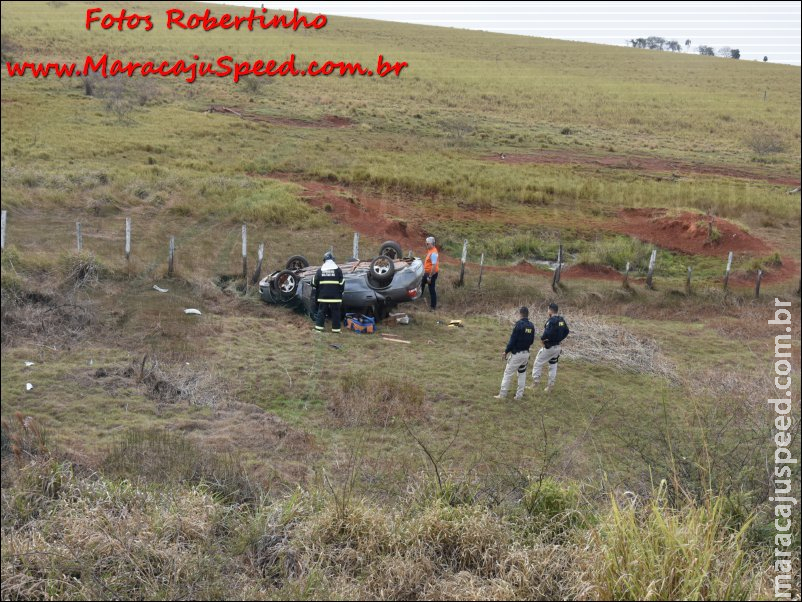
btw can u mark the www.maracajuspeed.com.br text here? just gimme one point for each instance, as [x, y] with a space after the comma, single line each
[222, 66]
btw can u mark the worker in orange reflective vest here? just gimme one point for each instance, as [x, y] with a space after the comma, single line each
[431, 267]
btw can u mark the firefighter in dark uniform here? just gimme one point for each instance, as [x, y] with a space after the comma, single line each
[329, 285]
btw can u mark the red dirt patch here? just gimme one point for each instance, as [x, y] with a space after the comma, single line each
[368, 215]
[651, 164]
[327, 121]
[688, 233]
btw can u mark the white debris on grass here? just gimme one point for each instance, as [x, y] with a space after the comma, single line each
[160, 289]
[192, 311]
[28, 386]
[29, 364]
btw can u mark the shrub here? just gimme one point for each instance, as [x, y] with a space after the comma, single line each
[554, 507]
[764, 143]
[80, 270]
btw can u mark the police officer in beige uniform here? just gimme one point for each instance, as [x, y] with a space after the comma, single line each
[554, 332]
[517, 354]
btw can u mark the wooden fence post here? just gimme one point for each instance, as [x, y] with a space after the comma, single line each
[558, 270]
[462, 263]
[650, 274]
[688, 281]
[171, 258]
[355, 250]
[757, 283]
[3, 230]
[245, 255]
[79, 239]
[128, 240]
[626, 276]
[727, 271]
[481, 269]
[260, 255]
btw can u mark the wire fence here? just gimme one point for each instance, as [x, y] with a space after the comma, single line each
[120, 234]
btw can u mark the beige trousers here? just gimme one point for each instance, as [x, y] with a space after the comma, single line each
[545, 356]
[516, 363]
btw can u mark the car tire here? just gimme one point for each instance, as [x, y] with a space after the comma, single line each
[286, 284]
[391, 249]
[381, 271]
[297, 262]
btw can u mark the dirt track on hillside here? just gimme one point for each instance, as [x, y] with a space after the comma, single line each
[670, 169]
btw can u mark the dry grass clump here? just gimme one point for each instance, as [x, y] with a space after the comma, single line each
[155, 456]
[435, 551]
[178, 382]
[658, 553]
[69, 533]
[595, 340]
[80, 270]
[23, 437]
[32, 316]
[97, 539]
[366, 398]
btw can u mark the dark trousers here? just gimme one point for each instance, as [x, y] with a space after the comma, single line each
[432, 289]
[331, 310]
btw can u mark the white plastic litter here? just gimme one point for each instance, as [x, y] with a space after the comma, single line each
[29, 364]
[160, 289]
[194, 312]
[403, 320]
[28, 386]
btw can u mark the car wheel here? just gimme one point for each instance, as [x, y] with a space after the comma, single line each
[382, 270]
[391, 249]
[286, 284]
[297, 262]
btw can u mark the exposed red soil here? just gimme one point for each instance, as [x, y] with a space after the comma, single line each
[368, 216]
[327, 121]
[668, 167]
[382, 219]
[688, 233]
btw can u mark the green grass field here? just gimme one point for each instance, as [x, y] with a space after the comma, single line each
[237, 454]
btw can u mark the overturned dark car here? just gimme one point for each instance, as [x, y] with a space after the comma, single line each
[371, 287]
